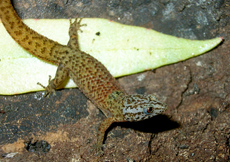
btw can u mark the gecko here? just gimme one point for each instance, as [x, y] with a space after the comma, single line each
[89, 74]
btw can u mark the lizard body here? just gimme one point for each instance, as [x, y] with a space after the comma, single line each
[90, 75]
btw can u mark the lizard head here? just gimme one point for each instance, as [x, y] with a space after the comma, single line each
[141, 107]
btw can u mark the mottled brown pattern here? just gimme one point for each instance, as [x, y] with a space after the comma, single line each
[90, 75]
[94, 80]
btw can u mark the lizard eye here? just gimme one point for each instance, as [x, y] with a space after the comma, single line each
[149, 110]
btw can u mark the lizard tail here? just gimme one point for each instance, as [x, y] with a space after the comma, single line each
[29, 39]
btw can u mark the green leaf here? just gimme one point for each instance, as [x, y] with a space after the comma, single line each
[123, 49]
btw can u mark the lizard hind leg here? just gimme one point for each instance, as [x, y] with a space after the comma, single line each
[73, 33]
[60, 76]
[49, 89]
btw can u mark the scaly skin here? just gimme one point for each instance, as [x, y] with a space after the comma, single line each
[92, 77]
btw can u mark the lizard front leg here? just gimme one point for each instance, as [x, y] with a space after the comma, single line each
[104, 125]
[60, 76]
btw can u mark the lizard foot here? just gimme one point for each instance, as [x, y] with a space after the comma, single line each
[77, 25]
[49, 89]
[99, 149]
